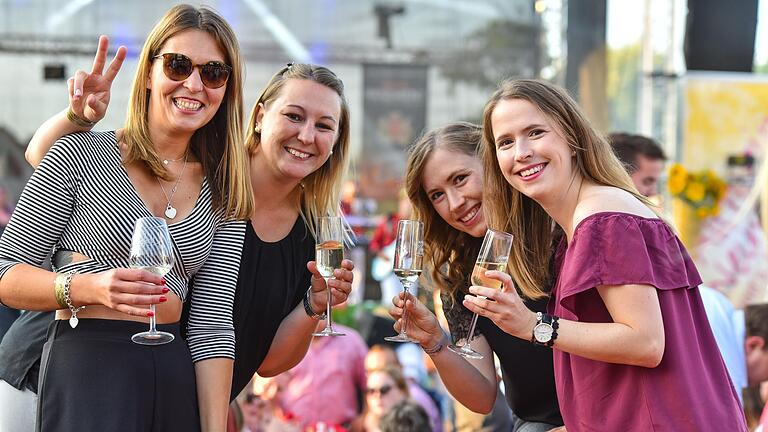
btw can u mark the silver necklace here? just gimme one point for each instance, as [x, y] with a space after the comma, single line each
[167, 161]
[170, 211]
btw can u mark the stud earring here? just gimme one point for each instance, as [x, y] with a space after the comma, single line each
[331, 152]
[257, 129]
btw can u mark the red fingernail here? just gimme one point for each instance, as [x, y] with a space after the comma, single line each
[162, 281]
[163, 298]
[165, 290]
[150, 314]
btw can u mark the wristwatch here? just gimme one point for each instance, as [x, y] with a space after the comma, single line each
[308, 307]
[545, 330]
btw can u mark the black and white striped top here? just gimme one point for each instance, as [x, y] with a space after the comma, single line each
[81, 199]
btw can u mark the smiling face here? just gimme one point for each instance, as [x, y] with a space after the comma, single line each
[453, 182]
[382, 393]
[299, 127]
[183, 107]
[532, 153]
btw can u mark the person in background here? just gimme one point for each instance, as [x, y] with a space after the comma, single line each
[626, 317]
[385, 388]
[326, 385]
[383, 356]
[82, 202]
[445, 184]
[643, 159]
[382, 245]
[406, 416]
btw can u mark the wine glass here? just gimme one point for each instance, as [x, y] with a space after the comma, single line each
[494, 254]
[151, 250]
[409, 254]
[329, 252]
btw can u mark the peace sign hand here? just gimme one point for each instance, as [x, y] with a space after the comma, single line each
[89, 92]
[505, 308]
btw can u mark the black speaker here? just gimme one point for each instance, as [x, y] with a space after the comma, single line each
[55, 72]
[720, 35]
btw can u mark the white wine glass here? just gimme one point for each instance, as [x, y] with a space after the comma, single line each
[329, 253]
[151, 250]
[409, 255]
[493, 255]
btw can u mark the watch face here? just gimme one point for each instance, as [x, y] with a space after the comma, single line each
[542, 332]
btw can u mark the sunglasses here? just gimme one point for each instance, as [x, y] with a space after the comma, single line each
[383, 390]
[179, 67]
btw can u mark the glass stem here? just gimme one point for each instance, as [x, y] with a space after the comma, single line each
[152, 319]
[405, 311]
[328, 307]
[471, 332]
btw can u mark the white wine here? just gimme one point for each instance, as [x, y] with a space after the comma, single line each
[480, 279]
[159, 270]
[329, 255]
[409, 275]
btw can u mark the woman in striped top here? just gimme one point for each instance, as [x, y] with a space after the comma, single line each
[84, 198]
[298, 140]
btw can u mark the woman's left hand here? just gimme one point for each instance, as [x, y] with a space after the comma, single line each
[340, 283]
[505, 308]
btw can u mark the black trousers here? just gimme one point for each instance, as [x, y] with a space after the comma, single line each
[94, 378]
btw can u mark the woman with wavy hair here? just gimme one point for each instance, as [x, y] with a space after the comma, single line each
[632, 346]
[297, 143]
[444, 179]
[178, 157]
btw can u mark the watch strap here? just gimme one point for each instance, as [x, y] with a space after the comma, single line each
[308, 307]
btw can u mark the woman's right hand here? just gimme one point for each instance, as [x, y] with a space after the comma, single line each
[122, 289]
[422, 326]
[89, 92]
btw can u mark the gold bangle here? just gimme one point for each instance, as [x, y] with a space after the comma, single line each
[58, 285]
[77, 120]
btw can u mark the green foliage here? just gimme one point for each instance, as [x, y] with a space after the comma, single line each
[623, 87]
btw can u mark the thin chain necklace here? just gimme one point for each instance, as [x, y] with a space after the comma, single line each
[170, 211]
[167, 161]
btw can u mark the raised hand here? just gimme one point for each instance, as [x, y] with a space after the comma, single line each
[505, 308]
[89, 92]
[423, 325]
[341, 285]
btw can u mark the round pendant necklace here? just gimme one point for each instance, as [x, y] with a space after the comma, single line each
[170, 210]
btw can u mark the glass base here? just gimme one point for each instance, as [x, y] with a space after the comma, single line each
[328, 332]
[152, 338]
[465, 351]
[400, 338]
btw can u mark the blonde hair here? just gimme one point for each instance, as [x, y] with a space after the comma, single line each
[509, 210]
[450, 253]
[322, 188]
[396, 375]
[217, 144]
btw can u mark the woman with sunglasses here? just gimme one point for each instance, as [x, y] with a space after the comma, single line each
[444, 180]
[298, 142]
[385, 388]
[632, 346]
[178, 158]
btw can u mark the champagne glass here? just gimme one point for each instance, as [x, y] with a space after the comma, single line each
[494, 254]
[151, 250]
[409, 254]
[329, 252]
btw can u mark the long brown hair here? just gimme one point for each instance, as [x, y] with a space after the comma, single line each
[509, 210]
[450, 253]
[217, 144]
[321, 189]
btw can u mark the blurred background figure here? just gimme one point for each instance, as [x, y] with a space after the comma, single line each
[643, 159]
[385, 388]
[382, 246]
[326, 386]
[260, 410]
[405, 417]
[384, 356]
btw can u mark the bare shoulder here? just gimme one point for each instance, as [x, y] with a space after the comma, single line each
[599, 199]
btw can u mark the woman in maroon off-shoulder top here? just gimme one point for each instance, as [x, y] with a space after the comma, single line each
[633, 350]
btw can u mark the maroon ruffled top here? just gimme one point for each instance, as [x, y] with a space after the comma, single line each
[690, 390]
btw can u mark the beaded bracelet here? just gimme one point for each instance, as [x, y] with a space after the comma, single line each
[308, 307]
[79, 121]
